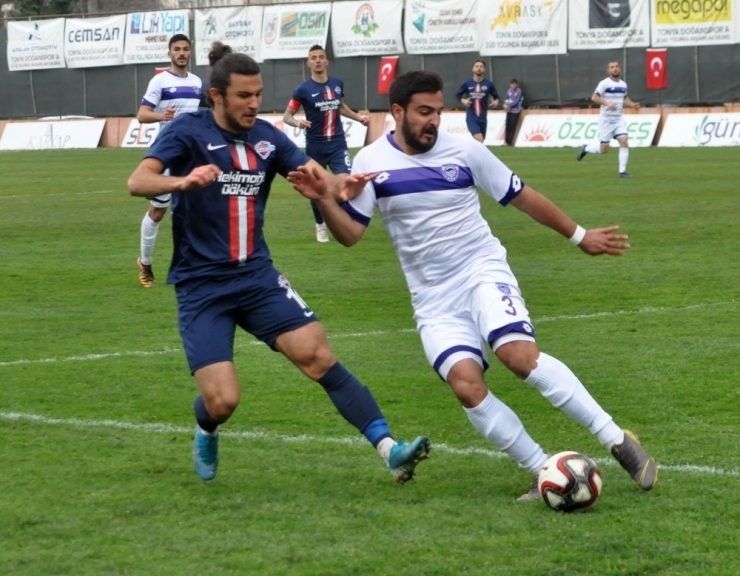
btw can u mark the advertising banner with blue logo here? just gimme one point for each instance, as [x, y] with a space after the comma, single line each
[693, 22]
[148, 34]
[367, 28]
[237, 27]
[608, 24]
[94, 41]
[713, 129]
[515, 28]
[442, 26]
[289, 30]
[36, 44]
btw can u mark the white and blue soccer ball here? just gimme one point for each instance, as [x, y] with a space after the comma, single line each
[569, 481]
[508, 102]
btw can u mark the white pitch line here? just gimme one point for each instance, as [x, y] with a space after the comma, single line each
[43, 196]
[103, 356]
[305, 438]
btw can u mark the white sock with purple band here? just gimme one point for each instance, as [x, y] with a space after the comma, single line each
[564, 390]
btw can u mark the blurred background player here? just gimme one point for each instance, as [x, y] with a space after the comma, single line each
[513, 107]
[611, 95]
[477, 94]
[170, 93]
[322, 98]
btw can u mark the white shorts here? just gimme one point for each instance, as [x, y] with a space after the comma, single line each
[491, 313]
[162, 201]
[611, 128]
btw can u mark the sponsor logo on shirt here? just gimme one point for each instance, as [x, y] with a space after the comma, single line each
[238, 183]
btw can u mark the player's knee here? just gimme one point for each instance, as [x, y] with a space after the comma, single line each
[520, 357]
[157, 214]
[316, 360]
[221, 406]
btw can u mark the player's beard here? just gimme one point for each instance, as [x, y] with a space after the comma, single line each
[231, 120]
[176, 64]
[414, 142]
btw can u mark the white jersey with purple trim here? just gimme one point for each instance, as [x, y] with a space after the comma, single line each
[429, 204]
[168, 89]
[612, 91]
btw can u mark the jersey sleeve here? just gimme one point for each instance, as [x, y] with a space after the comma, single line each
[153, 94]
[172, 142]
[494, 93]
[492, 175]
[462, 90]
[600, 88]
[361, 208]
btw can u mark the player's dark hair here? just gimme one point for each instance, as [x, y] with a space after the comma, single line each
[178, 38]
[481, 61]
[514, 81]
[228, 64]
[316, 47]
[406, 85]
[218, 51]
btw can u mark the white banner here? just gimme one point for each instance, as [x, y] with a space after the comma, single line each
[148, 34]
[140, 135]
[94, 41]
[608, 24]
[442, 26]
[692, 23]
[289, 30]
[454, 123]
[559, 130]
[367, 28]
[515, 28]
[237, 27]
[714, 129]
[355, 132]
[35, 45]
[42, 135]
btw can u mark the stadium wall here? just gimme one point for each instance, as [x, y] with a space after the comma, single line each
[696, 75]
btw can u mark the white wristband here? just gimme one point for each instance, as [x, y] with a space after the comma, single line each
[578, 235]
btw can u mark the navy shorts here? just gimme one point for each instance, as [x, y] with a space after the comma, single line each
[261, 302]
[335, 155]
[476, 125]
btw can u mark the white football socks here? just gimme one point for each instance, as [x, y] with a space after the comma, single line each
[564, 390]
[149, 229]
[498, 424]
[624, 155]
[384, 448]
[593, 148]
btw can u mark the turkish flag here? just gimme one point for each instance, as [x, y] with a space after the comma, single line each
[386, 73]
[656, 62]
[160, 70]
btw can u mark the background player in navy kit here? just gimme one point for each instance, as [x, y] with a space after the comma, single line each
[477, 94]
[168, 94]
[322, 98]
[222, 163]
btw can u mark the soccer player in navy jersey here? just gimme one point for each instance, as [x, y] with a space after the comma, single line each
[465, 296]
[168, 94]
[222, 163]
[322, 98]
[477, 94]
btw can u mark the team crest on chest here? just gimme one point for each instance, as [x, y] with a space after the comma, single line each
[504, 288]
[338, 90]
[264, 149]
[450, 172]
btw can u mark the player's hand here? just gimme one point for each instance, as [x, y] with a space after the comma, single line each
[309, 182]
[611, 105]
[636, 105]
[304, 124]
[494, 104]
[354, 184]
[466, 102]
[200, 177]
[364, 119]
[169, 114]
[604, 241]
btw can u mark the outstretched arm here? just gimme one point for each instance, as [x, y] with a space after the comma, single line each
[628, 103]
[147, 179]
[594, 241]
[290, 119]
[147, 115]
[345, 110]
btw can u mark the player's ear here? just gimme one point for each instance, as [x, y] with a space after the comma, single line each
[397, 112]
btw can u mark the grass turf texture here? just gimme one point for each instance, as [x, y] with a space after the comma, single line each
[102, 483]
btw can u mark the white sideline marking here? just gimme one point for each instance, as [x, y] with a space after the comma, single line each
[3, 197]
[648, 310]
[244, 435]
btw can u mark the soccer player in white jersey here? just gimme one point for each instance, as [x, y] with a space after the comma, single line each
[463, 292]
[611, 95]
[170, 93]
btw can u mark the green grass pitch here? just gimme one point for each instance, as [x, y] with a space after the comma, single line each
[95, 395]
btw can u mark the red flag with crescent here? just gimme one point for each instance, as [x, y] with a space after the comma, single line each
[656, 62]
[386, 73]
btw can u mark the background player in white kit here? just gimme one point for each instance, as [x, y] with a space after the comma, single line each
[462, 289]
[611, 95]
[170, 93]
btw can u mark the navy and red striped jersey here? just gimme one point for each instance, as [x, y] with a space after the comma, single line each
[321, 103]
[217, 230]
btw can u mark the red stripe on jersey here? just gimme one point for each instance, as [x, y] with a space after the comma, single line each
[330, 116]
[234, 243]
[253, 165]
[476, 102]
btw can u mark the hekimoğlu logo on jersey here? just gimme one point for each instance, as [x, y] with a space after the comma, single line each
[238, 183]
[692, 11]
[296, 24]
[157, 23]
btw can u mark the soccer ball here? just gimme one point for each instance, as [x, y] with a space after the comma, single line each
[508, 102]
[569, 481]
